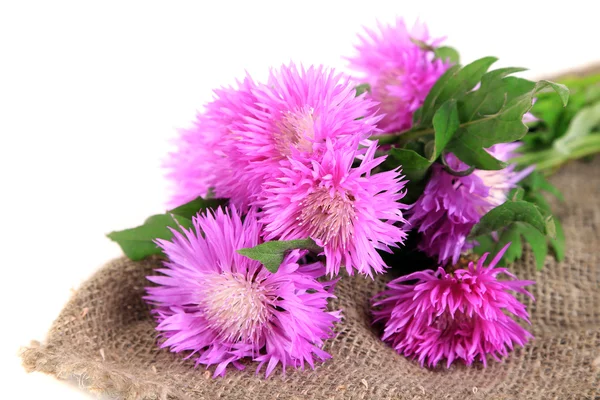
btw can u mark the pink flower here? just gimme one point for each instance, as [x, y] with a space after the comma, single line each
[220, 306]
[294, 115]
[465, 314]
[205, 157]
[245, 133]
[399, 71]
[451, 205]
[349, 211]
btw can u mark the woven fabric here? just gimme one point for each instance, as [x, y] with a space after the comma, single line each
[105, 336]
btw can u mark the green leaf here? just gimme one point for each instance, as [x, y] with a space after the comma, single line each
[582, 124]
[531, 191]
[550, 188]
[489, 115]
[516, 194]
[445, 123]
[550, 226]
[560, 89]
[467, 122]
[580, 140]
[506, 123]
[139, 242]
[514, 220]
[535, 182]
[549, 110]
[581, 82]
[416, 119]
[508, 213]
[414, 166]
[512, 236]
[271, 254]
[487, 244]
[454, 83]
[484, 244]
[496, 91]
[471, 153]
[362, 88]
[447, 54]
[494, 76]
[537, 242]
[190, 209]
[515, 234]
[539, 200]
[410, 159]
[466, 79]
[555, 119]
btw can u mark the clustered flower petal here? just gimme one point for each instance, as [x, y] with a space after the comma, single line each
[205, 158]
[461, 315]
[348, 210]
[295, 159]
[245, 133]
[285, 153]
[451, 205]
[295, 114]
[220, 306]
[399, 70]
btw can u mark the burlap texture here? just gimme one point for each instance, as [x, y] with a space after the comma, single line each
[105, 335]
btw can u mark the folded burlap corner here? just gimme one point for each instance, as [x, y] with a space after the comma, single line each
[105, 336]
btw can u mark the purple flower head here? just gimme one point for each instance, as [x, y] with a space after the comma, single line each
[399, 71]
[205, 157]
[349, 211]
[466, 314]
[295, 113]
[246, 132]
[221, 306]
[450, 205]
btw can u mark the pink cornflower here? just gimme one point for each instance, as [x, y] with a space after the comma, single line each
[398, 69]
[348, 210]
[205, 158]
[246, 132]
[295, 113]
[461, 315]
[451, 205]
[221, 307]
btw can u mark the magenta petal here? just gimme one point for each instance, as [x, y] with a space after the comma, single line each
[347, 209]
[450, 206]
[464, 315]
[219, 307]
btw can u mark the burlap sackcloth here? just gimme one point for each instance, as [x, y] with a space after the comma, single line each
[105, 336]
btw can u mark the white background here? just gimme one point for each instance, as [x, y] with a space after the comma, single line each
[90, 93]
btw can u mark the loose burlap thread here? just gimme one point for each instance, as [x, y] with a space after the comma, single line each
[105, 335]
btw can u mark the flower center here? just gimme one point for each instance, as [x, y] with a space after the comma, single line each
[463, 262]
[329, 218]
[295, 129]
[237, 308]
[449, 326]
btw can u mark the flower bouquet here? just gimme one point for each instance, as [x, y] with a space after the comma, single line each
[370, 228]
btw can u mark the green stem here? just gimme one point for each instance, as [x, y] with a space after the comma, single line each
[552, 158]
[578, 148]
[536, 157]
